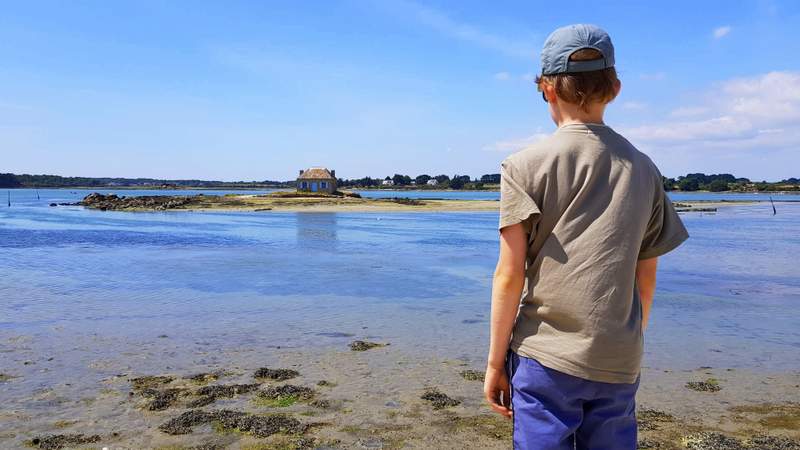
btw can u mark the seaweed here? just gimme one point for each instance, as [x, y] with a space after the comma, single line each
[438, 399]
[276, 374]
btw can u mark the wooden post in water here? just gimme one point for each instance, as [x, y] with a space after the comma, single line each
[774, 211]
[9, 198]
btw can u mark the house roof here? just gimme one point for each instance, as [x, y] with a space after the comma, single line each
[316, 173]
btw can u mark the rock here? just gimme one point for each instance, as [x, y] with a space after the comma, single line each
[473, 375]
[438, 399]
[203, 377]
[650, 419]
[149, 381]
[53, 204]
[114, 203]
[276, 374]
[287, 390]
[59, 441]
[209, 394]
[161, 399]
[362, 346]
[709, 385]
[259, 426]
[321, 404]
[712, 441]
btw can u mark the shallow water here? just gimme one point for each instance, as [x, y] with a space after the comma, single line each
[88, 286]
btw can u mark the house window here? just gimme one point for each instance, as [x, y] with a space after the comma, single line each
[305, 185]
[324, 185]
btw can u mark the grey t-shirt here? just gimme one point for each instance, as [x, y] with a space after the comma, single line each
[593, 206]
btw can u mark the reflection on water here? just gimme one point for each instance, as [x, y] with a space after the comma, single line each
[88, 284]
[316, 232]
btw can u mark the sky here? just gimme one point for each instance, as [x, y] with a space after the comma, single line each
[241, 90]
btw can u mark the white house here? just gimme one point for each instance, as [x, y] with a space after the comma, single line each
[432, 182]
[387, 183]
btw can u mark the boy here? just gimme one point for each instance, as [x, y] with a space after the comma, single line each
[583, 219]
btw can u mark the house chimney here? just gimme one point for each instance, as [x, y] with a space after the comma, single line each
[333, 173]
[301, 172]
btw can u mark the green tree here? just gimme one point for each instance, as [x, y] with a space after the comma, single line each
[9, 180]
[458, 181]
[718, 186]
[422, 179]
[442, 178]
[688, 184]
[491, 178]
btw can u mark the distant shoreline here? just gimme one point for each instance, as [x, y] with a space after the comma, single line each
[371, 189]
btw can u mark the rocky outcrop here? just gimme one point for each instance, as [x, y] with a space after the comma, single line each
[112, 202]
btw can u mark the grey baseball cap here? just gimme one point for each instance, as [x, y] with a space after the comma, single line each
[563, 42]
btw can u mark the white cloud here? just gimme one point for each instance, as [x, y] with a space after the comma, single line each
[744, 114]
[513, 145]
[502, 76]
[721, 32]
[454, 29]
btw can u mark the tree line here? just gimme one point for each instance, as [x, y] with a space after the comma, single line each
[726, 182]
[689, 182]
[422, 181]
[10, 180]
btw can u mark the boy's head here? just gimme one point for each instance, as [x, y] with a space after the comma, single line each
[578, 69]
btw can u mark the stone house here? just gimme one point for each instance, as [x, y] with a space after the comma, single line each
[317, 179]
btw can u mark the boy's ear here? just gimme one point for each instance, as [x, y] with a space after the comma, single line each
[617, 87]
[550, 93]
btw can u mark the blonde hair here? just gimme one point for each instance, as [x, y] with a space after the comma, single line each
[583, 88]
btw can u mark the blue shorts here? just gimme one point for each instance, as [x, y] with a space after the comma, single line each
[555, 411]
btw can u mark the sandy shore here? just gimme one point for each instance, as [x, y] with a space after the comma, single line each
[378, 398]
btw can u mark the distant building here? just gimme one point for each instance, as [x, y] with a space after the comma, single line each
[432, 182]
[387, 183]
[317, 179]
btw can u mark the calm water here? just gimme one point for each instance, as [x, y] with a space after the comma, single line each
[88, 284]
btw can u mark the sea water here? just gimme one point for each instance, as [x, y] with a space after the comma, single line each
[83, 286]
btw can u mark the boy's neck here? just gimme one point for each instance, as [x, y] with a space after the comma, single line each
[567, 114]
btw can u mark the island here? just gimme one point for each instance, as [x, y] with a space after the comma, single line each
[338, 201]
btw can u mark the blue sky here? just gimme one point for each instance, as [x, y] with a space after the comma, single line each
[258, 90]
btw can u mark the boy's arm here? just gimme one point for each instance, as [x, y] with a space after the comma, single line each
[646, 281]
[507, 285]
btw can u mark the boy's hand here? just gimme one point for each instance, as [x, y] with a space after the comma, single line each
[497, 392]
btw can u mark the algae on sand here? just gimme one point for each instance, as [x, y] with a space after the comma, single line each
[59, 441]
[228, 420]
[438, 399]
[473, 375]
[283, 395]
[709, 385]
[362, 346]
[276, 374]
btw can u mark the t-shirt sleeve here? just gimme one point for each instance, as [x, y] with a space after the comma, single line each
[665, 231]
[516, 205]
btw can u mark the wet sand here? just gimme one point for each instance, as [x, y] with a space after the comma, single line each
[364, 397]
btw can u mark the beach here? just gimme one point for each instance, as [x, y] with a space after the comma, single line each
[184, 329]
[370, 399]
